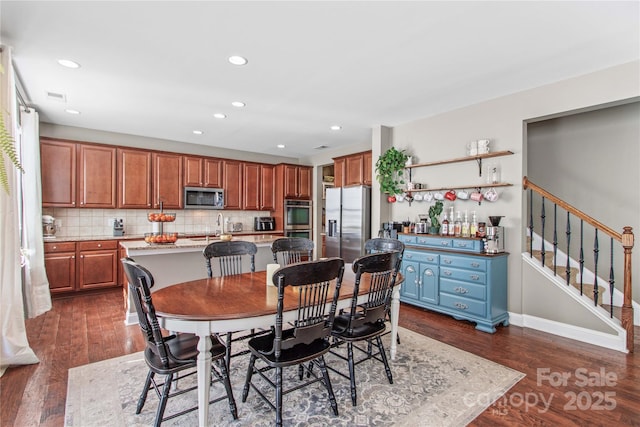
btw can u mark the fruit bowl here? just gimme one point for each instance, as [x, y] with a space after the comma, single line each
[226, 237]
[160, 239]
[161, 217]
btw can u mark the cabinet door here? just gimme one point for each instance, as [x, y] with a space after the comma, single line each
[304, 183]
[367, 169]
[290, 182]
[193, 171]
[213, 173]
[251, 181]
[338, 172]
[134, 178]
[267, 185]
[429, 283]
[167, 180]
[61, 271]
[232, 178]
[97, 176]
[354, 168]
[58, 170]
[411, 285]
[97, 269]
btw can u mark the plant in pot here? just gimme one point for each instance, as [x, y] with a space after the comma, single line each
[389, 172]
[434, 215]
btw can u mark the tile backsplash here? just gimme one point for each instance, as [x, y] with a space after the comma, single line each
[74, 222]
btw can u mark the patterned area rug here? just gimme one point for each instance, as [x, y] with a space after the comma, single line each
[434, 384]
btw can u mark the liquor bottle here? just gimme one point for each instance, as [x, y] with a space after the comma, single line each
[473, 228]
[444, 227]
[465, 225]
[457, 226]
[451, 223]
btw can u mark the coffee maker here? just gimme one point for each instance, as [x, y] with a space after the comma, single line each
[494, 240]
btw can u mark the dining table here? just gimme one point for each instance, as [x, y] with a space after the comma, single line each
[240, 302]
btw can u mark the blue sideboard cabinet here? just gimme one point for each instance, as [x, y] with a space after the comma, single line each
[453, 276]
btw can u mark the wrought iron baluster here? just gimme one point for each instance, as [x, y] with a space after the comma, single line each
[542, 220]
[530, 208]
[596, 250]
[581, 260]
[611, 279]
[568, 232]
[555, 238]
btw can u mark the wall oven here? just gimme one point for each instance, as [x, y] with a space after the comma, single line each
[297, 218]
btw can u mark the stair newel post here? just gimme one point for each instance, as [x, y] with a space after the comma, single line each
[611, 279]
[542, 220]
[568, 232]
[555, 238]
[530, 209]
[627, 308]
[581, 261]
[596, 250]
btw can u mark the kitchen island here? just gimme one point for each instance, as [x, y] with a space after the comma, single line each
[183, 261]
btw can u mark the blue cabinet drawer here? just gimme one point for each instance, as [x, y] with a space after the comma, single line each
[421, 256]
[465, 275]
[436, 242]
[406, 238]
[470, 290]
[468, 245]
[463, 305]
[468, 262]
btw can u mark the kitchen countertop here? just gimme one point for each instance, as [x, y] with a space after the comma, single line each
[141, 236]
[190, 244]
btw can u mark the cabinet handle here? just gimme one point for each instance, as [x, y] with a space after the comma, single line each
[475, 277]
[430, 258]
[446, 273]
[428, 273]
[461, 290]
[410, 269]
[462, 244]
[408, 256]
[461, 306]
[444, 243]
[475, 264]
[446, 261]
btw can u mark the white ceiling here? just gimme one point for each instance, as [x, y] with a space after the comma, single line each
[160, 69]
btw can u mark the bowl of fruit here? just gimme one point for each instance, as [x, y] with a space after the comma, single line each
[161, 217]
[160, 238]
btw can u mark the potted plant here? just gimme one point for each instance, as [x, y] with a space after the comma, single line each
[389, 172]
[434, 215]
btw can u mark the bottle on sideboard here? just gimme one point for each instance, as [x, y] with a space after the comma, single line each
[451, 223]
[444, 227]
[465, 225]
[457, 225]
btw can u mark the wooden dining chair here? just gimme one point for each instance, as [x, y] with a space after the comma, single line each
[172, 356]
[289, 250]
[366, 321]
[306, 340]
[230, 257]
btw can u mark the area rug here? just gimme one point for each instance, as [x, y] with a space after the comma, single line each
[434, 384]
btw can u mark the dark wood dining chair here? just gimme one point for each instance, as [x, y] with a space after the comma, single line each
[289, 250]
[307, 340]
[366, 321]
[173, 356]
[230, 257]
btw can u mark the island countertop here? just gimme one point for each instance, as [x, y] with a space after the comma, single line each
[137, 247]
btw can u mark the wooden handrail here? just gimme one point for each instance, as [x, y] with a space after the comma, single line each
[573, 210]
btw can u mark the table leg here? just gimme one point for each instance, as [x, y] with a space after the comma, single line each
[204, 375]
[395, 312]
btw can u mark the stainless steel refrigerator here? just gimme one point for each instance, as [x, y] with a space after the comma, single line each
[348, 221]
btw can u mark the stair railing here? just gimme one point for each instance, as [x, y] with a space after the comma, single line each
[625, 238]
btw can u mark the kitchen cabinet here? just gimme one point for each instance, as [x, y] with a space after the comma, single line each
[354, 169]
[134, 178]
[202, 172]
[296, 181]
[167, 180]
[267, 183]
[258, 186]
[338, 171]
[452, 276]
[60, 265]
[232, 184]
[58, 171]
[97, 264]
[97, 176]
[368, 167]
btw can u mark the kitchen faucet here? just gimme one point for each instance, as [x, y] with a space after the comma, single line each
[220, 222]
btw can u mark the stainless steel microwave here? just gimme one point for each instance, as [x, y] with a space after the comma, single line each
[203, 198]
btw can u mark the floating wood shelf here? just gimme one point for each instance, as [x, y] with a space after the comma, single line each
[479, 157]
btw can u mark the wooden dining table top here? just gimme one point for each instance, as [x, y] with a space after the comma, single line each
[234, 297]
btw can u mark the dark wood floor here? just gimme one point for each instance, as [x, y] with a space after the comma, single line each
[87, 329]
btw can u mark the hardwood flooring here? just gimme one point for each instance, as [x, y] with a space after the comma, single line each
[602, 387]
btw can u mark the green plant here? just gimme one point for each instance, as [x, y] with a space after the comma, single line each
[434, 213]
[389, 170]
[6, 147]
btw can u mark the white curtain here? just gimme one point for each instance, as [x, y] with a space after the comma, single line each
[14, 347]
[36, 286]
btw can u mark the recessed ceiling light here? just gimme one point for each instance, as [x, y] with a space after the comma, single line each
[220, 116]
[72, 111]
[336, 127]
[197, 132]
[238, 104]
[280, 146]
[68, 63]
[238, 60]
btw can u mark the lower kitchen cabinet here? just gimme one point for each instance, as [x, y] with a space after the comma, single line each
[81, 266]
[470, 286]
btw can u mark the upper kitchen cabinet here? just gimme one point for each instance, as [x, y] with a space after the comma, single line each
[167, 180]
[97, 176]
[267, 183]
[134, 178]
[258, 184]
[58, 170]
[202, 172]
[232, 184]
[354, 169]
[296, 181]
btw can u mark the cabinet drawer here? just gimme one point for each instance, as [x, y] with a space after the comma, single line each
[465, 275]
[59, 247]
[436, 242]
[468, 245]
[97, 245]
[406, 239]
[470, 290]
[420, 256]
[471, 263]
[463, 305]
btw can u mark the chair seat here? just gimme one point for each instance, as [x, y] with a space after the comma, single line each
[361, 332]
[292, 356]
[184, 347]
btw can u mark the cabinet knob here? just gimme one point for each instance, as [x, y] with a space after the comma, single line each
[81, 256]
[446, 273]
[99, 245]
[428, 273]
[82, 203]
[475, 264]
[461, 290]
[73, 257]
[55, 247]
[446, 261]
[475, 277]
[461, 306]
